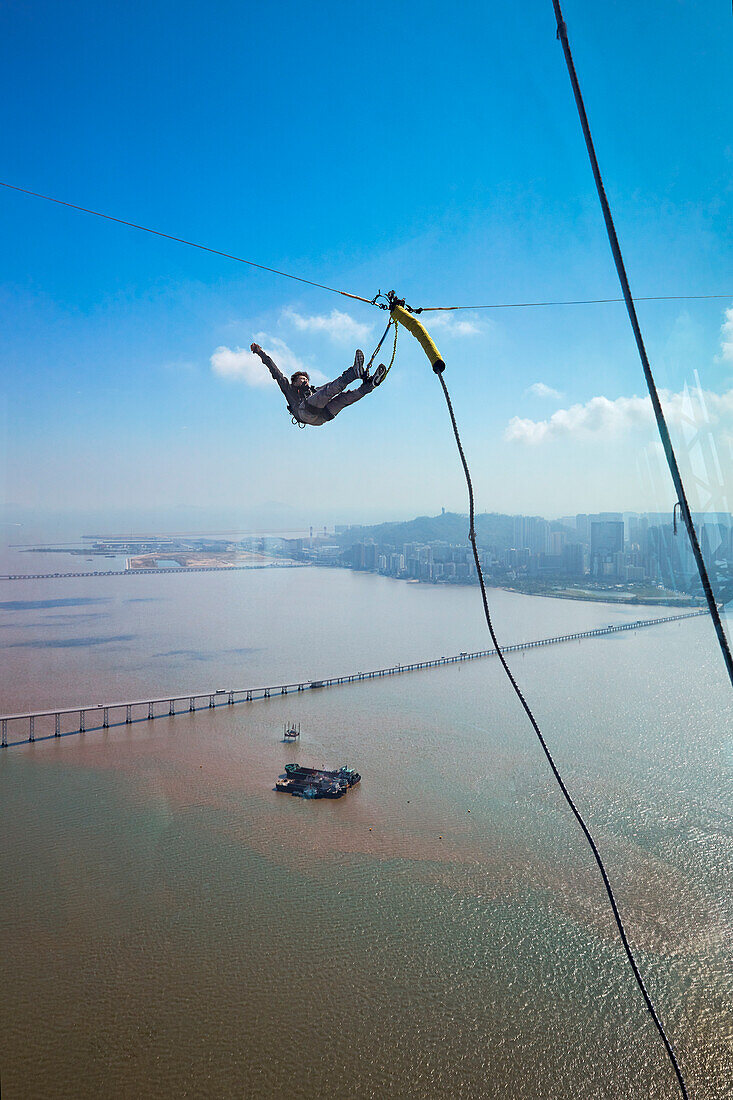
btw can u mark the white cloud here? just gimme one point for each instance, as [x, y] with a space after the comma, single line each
[240, 365]
[539, 389]
[452, 326]
[604, 417]
[726, 337]
[338, 326]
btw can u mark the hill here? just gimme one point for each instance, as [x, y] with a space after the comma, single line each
[492, 529]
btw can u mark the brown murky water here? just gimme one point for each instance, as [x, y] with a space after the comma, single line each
[172, 927]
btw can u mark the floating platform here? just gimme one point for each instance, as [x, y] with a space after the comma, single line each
[316, 782]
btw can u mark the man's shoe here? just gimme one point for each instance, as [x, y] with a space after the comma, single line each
[379, 375]
[358, 367]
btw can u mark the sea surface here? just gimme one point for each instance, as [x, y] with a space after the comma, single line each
[172, 927]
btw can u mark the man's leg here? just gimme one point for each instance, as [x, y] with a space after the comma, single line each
[343, 399]
[325, 394]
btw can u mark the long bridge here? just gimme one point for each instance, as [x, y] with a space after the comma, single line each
[86, 716]
[157, 572]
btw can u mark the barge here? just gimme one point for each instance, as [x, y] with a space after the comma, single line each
[316, 782]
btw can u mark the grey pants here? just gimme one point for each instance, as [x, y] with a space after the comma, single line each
[332, 399]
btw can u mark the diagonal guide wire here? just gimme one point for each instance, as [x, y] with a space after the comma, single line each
[548, 755]
[345, 293]
[577, 302]
[562, 34]
[182, 240]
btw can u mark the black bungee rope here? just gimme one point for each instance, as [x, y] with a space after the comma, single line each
[439, 368]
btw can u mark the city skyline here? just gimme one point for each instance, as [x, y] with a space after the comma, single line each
[606, 548]
[638, 552]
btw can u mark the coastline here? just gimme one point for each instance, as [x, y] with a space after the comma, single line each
[583, 596]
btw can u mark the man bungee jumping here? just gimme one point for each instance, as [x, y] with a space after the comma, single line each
[317, 406]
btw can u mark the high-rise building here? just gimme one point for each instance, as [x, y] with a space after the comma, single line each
[532, 532]
[638, 528]
[395, 563]
[606, 537]
[606, 541]
[573, 558]
[370, 555]
[517, 559]
[582, 526]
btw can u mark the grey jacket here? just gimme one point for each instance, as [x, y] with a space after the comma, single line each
[292, 396]
[297, 399]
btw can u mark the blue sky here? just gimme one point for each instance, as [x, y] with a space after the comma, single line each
[430, 148]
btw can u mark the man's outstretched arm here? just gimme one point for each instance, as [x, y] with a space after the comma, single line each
[276, 373]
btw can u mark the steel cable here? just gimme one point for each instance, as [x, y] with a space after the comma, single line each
[182, 240]
[561, 783]
[345, 293]
[562, 34]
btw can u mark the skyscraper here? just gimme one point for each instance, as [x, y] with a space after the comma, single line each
[606, 541]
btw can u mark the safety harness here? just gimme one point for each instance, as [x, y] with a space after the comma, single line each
[311, 408]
